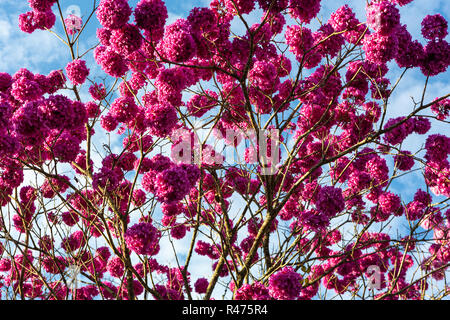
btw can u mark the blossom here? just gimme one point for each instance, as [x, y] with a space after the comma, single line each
[438, 147]
[25, 89]
[178, 45]
[389, 203]
[198, 105]
[5, 265]
[5, 81]
[241, 6]
[254, 291]
[276, 6]
[108, 122]
[170, 83]
[299, 39]
[344, 19]
[201, 285]
[124, 109]
[55, 265]
[383, 17]
[110, 61]
[115, 267]
[434, 27]
[285, 284]
[404, 160]
[55, 185]
[328, 42]
[436, 58]
[151, 16]
[32, 20]
[77, 71]
[73, 24]
[97, 91]
[441, 109]
[161, 118]
[73, 241]
[304, 10]
[113, 14]
[172, 184]
[263, 76]
[402, 2]
[380, 49]
[125, 40]
[399, 132]
[70, 218]
[41, 5]
[330, 201]
[143, 238]
[104, 35]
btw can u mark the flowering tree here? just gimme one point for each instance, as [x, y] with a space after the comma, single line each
[267, 155]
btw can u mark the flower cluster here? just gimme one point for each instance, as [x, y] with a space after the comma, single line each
[77, 71]
[340, 168]
[40, 17]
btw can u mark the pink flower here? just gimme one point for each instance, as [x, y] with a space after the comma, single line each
[441, 109]
[143, 238]
[124, 109]
[299, 39]
[5, 265]
[389, 203]
[25, 89]
[178, 45]
[161, 118]
[32, 20]
[330, 201]
[438, 147]
[104, 35]
[404, 160]
[70, 218]
[151, 16]
[263, 76]
[383, 17]
[344, 19]
[172, 184]
[198, 105]
[110, 61]
[254, 291]
[275, 5]
[402, 2]
[41, 5]
[436, 58]
[113, 14]
[5, 81]
[97, 91]
[55, 265]
[304, 10]
[126, 40]
[201, 285]
[77, 71]
[241, 6]
[73, 24]
[328, 43]
[380, 49]
[115, 267]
